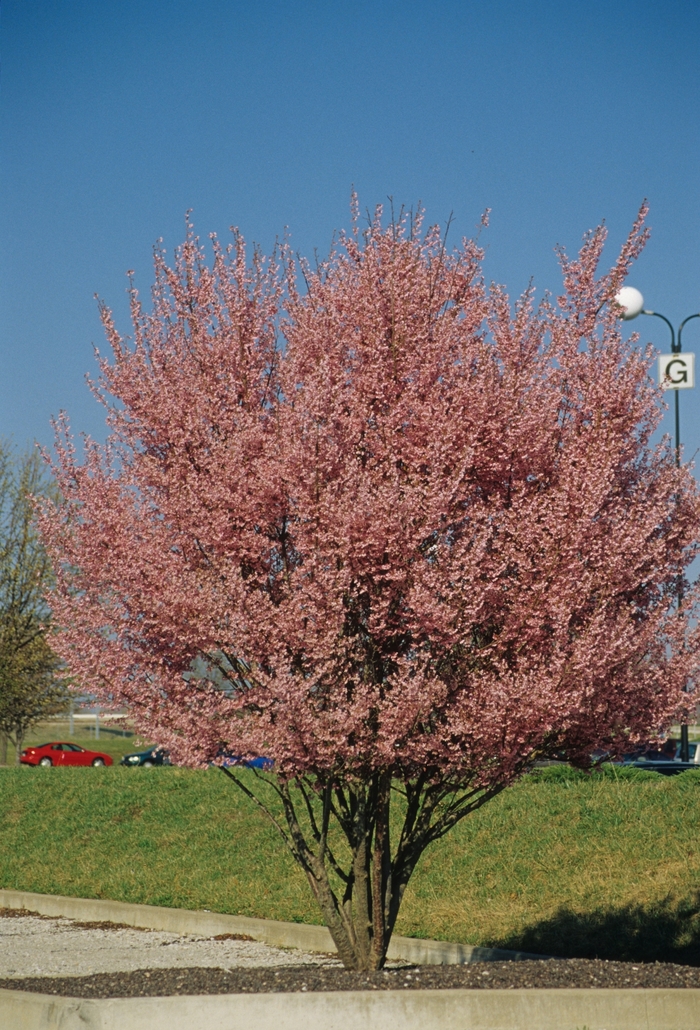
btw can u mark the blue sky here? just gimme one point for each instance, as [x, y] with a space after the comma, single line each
[116, 118]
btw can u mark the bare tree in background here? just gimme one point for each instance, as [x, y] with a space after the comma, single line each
[31, 686]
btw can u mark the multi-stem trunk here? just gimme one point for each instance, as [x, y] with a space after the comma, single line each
[361, 919]
[357, 879]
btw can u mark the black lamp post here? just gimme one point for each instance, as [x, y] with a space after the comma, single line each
[632, 303]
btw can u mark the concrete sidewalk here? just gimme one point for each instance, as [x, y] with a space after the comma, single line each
[32, 945]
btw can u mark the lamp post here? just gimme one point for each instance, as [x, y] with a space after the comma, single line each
[676, 372]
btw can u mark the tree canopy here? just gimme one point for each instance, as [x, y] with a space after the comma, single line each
[366, 520]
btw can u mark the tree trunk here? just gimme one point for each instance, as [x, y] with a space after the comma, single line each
[361, 926]
[354, 926]
[362, 922]
[19, 741]
[3, 749]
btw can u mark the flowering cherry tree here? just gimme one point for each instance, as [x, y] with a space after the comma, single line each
[364, 519]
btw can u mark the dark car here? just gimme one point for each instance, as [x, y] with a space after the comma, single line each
[154, 756]
[665, 760]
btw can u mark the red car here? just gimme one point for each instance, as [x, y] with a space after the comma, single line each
[61, 753]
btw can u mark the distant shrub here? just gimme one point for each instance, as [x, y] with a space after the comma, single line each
[563, 773]
[627, 772]
[559, 773]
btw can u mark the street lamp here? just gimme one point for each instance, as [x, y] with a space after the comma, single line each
[676, 372]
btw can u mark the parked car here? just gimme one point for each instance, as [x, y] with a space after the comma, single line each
[61, 753]
[667, 759]
[260, 762]
[154, 756]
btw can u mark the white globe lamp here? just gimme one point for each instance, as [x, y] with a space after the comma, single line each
[631, 301]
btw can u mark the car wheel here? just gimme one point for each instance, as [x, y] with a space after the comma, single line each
[45, 761]
[148, 765]
[98, 761]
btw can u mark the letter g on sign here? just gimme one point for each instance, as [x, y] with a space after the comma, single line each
[677, 371]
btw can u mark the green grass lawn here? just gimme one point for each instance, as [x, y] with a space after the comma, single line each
[561, 863]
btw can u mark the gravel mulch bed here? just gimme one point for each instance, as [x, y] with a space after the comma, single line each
[592, 973]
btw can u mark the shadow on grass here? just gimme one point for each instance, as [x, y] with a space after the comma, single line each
[667, 931]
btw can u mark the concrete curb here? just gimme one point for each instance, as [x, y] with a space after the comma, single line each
[279, 934]
[562, 1009]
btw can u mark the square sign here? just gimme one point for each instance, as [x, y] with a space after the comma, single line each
[676, 371]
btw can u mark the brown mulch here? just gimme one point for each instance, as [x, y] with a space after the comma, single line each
[510, 975]
[19, 913]
[9, 913]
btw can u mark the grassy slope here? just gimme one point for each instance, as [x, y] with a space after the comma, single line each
[560, 863]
